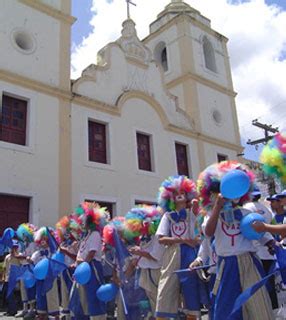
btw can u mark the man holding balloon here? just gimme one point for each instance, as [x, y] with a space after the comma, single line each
[238, 268]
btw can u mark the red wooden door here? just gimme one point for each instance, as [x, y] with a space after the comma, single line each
[14, 210]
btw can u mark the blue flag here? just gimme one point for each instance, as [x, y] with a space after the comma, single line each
[52, 242]
[16, 272]
[121, 253]
[55, 268]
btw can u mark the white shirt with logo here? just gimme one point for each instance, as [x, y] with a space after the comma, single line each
[183, 229]
[228, 238]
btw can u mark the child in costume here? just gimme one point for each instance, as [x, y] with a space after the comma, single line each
[10, 259]
[176, 233]
[47, 304]
[25, 233]
[90, 251]
[68, 231]
[150, 252]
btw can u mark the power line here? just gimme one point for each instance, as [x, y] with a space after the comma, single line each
[267, 128]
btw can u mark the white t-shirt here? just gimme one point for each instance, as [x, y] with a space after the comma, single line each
[92, 242]
[262, 251]
[156, 250]
[228, 238]
[40, 254]
[183, 229]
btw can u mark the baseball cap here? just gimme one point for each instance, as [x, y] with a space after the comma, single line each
[15, 243]
[282, 194]
[256, 191]
[274, 197]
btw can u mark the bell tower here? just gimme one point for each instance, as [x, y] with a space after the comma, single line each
[194, 61]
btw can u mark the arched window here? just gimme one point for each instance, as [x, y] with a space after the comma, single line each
[164, 59]
[161, 56]
[209, 54]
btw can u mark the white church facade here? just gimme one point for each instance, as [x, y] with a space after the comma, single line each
[146, 109]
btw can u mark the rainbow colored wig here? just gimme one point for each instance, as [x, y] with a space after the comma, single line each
[117, 223]
[94, 217]
[273, 157]
[208, 183]
[175, 184]
[25, 232]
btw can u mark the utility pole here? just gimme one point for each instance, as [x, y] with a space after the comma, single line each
[267, 128]
[267, 137]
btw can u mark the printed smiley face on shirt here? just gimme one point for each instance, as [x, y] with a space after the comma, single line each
[179, 228]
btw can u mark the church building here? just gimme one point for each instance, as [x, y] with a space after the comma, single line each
[144, 110]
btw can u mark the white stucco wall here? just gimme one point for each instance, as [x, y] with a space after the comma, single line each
[211, 152]
[122, 179]
[42, 61]
[32, 170]
[209, 101]
[218, 77]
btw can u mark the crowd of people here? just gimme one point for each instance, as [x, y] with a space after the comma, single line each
[164, 262]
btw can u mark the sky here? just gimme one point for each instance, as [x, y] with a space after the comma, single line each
[257, 49]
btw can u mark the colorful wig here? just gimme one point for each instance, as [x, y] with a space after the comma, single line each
[175, 184]
[117, 224]
[208, 184]
[40, 235]
[94, 217]
[273, 157]
[25, 232]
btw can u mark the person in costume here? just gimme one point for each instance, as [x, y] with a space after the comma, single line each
[150, 253]
[266, 258]
[238, 267]
[47, 304]
[176, 233]
[90, 251]
[10, 259]
[68, 232]
[25, 233]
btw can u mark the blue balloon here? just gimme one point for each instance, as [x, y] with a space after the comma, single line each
[41, 269]
[82, 273]
[58, 256]
[234, 184]
[107, 292]
[246, 226]
[29, 280]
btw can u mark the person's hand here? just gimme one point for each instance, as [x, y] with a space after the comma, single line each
[135, 250]
[220, 201]
[195, 263]
[258, 226]
[63, 249]
[195, 206]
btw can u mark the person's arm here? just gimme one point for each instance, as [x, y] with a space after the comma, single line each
[213, 219]
[168, 241]
[141, 253]
[264, 227]
[66, 252]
